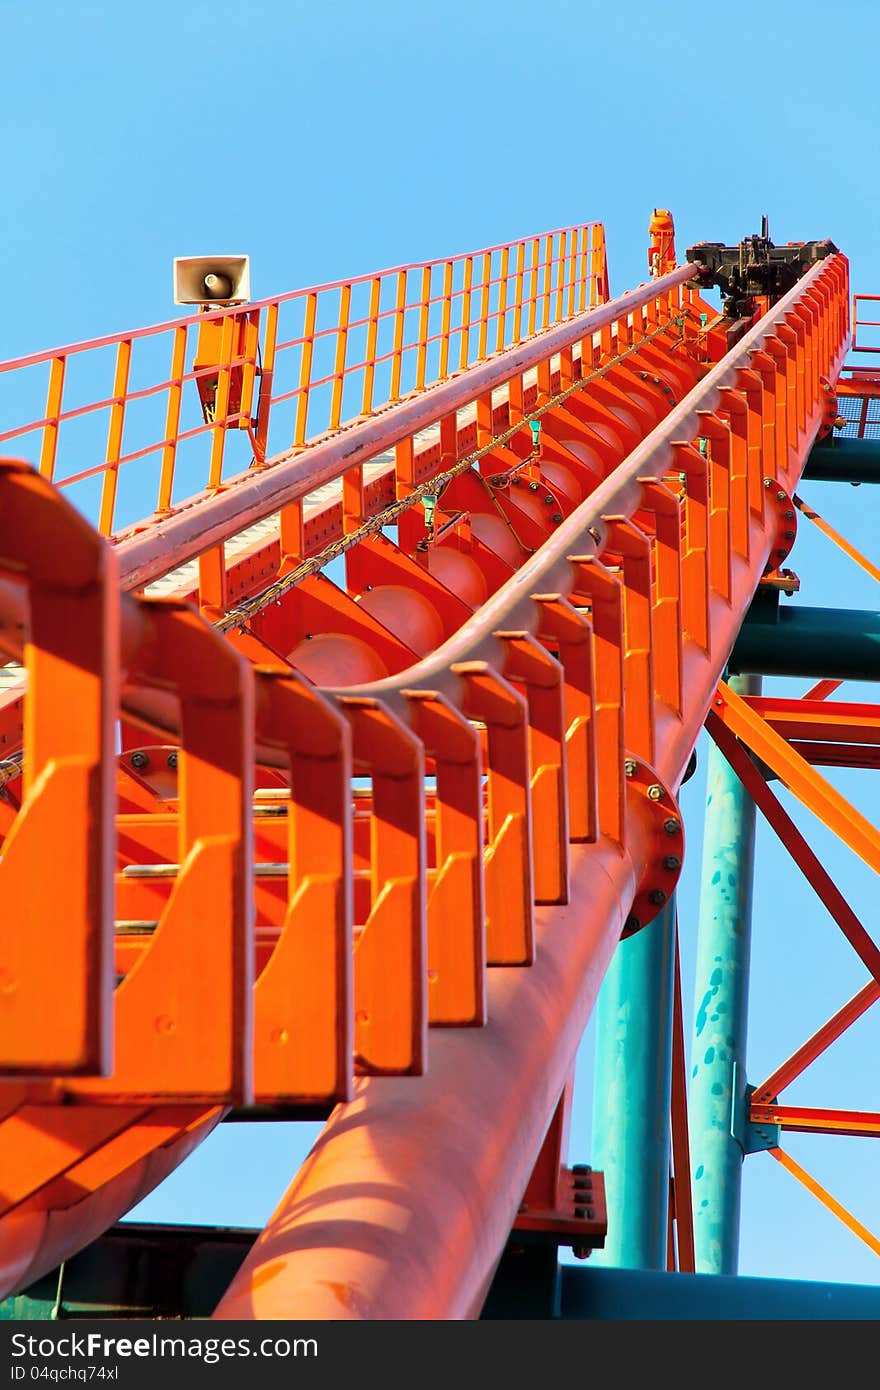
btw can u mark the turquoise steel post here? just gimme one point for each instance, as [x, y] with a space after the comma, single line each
[716, 1102]
[631, 1096]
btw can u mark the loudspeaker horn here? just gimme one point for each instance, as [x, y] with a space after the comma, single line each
[212, 280]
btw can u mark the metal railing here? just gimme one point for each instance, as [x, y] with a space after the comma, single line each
[192, 399]
[864, 323]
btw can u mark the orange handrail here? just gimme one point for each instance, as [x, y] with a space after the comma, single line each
[285, 370]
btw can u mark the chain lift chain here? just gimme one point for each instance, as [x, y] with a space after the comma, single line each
[11, 768]
[431, 488]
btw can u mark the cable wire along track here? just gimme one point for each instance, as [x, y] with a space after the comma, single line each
[278, 835]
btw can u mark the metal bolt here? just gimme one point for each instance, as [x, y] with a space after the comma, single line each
[780, 496]
[789, 535]
[172, 761]
[672, 826]
[139, 761]
[580, 1213]
[657, 897]
[788, 516]
[582, 1168]
[557, 517]
[782, 554]
[768, 482]
[655, 791]
[583, 1184]
[672, 862]
[580, 1252]
[534, 486]
[633, 924]
[549, 499]
[630, 767]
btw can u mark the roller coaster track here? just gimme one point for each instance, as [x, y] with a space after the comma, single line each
[364, 844]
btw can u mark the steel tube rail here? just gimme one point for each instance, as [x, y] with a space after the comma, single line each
[366, 1228]
[583, 533]
[407, 1200]
[405, 1203]
[211, 517]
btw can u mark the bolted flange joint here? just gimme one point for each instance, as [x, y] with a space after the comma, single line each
[649, 798]
[782, 525]
[577, 1218]
[830, 408]
[155, 766]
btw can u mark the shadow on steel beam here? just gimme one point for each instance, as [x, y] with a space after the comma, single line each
[138, 1271]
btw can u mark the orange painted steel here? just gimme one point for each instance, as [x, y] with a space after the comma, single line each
[806, 1119]
[661, 242]
[822, 689]
[61, 1021]
[335, 1255]
[286, 370]
[798, 775]
[838, 733]
[161, 543]
[825, 1197]
[814, 1047]
[840, 541]
[555, 720]
[151, 549]
[858, 321]
[807, 861]
[152, 707]
[786, 733]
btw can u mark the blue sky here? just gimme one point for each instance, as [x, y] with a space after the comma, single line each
[339, 138]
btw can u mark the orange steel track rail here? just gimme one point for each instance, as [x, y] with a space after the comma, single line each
[554, 720]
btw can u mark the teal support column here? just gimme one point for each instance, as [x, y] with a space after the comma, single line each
[631, 1095]
[716, 1101]
[793, 640]
[834, 460]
